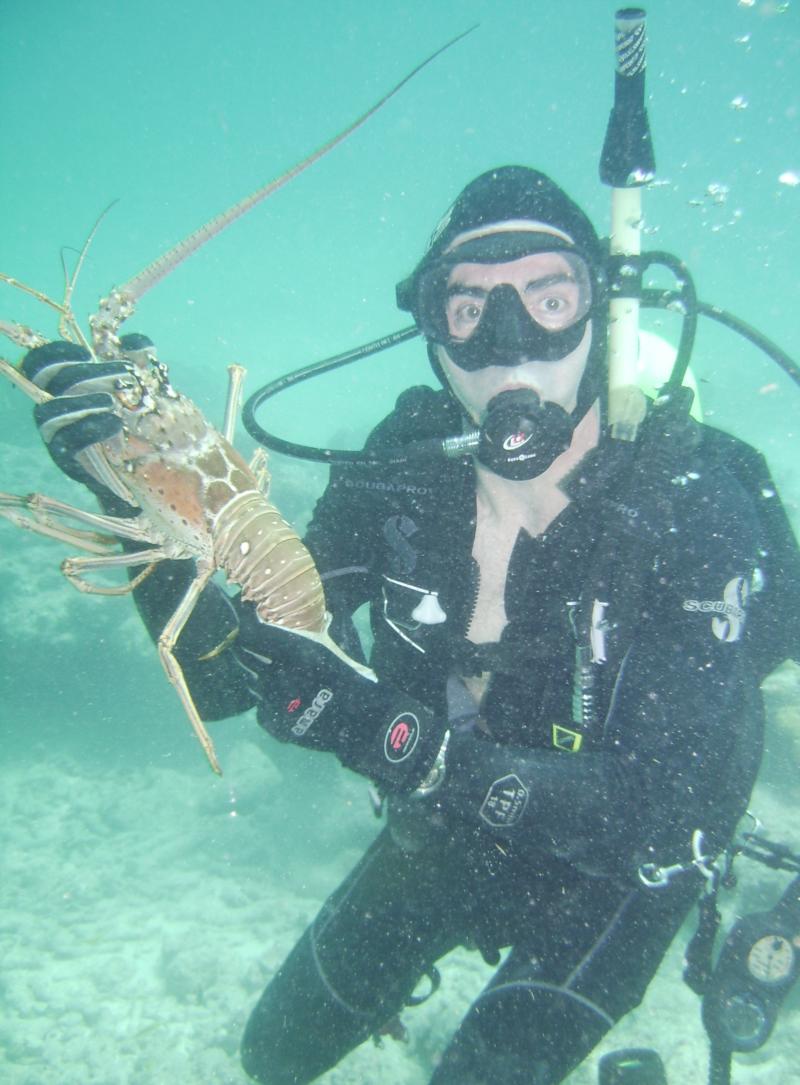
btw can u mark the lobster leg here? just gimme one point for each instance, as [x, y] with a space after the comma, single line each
[90, 541]
[166, 645]
[46, 511]
[236, 375]
[75, 568]
[29, 339]
[258, 466]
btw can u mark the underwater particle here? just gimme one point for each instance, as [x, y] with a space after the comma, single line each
[739, 102]
[790, 177]
[747, 3]
[717, 192]
[743, 40]
[767, 389]
[676, 306]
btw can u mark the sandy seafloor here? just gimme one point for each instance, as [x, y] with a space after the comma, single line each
[143, 902]
[138, 926]
[142, 971]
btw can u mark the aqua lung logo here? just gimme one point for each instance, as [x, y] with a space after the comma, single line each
[516, 440]
[317, 706]
[401, 737]
[729, 611]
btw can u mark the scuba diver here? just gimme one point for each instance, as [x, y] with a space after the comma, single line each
[569, 634]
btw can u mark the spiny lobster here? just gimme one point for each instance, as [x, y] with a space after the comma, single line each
[198, 497]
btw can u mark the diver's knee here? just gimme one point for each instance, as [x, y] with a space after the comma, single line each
[277, 1051]
[300, 1027]
[522, 1031]
[257, 1069]
[263, 1066]
[257, 1061]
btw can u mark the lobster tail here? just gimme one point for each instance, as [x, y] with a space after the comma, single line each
[259, 551]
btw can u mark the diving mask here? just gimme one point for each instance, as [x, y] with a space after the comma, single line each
[504, 298]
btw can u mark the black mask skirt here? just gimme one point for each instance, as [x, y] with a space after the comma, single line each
[505, 333]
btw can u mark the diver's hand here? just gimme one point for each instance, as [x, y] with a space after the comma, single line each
[309, 696]
[81, 412]
[478, 782]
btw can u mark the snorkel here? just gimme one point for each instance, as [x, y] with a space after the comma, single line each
[626, 165]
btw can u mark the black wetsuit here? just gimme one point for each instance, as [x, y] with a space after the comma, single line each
[544, 861]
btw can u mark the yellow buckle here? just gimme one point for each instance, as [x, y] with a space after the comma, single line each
[564, 739]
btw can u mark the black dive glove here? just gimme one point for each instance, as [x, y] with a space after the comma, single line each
[82, 411]
[476, 786]
[482, 782]
[309, 696]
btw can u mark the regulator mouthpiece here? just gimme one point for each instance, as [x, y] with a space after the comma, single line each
[521, 436]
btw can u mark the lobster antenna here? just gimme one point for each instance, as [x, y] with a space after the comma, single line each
[67, 319]
[70, 281]
[155, 272]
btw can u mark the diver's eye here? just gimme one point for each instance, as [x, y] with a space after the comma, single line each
[470, 311]
[463, 315]
[553, 309]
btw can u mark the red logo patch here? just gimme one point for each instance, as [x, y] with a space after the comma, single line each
[398, 736]
[401, 737]
[516, 440]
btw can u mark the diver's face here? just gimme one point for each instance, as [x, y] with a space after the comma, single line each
[549, 291]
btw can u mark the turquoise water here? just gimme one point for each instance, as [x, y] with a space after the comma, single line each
[119, 836]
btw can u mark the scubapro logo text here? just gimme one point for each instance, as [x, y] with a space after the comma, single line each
[729, 611]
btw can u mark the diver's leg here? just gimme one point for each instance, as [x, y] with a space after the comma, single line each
[554, 999]
[353, 969]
